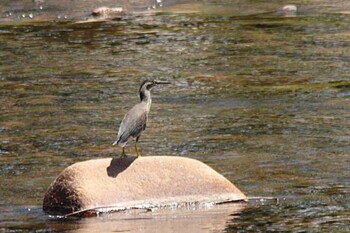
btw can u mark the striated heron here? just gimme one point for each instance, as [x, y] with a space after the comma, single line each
[135, 120]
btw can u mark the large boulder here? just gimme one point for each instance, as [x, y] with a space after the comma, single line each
[144, 182]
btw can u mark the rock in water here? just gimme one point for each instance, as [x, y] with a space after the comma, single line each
[107, 12]
[289, 10]
[124, 183]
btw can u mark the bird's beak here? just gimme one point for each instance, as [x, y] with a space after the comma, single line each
[160, 82]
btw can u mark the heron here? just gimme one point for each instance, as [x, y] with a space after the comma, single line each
[135, 120]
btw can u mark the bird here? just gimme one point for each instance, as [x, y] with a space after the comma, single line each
[135, 120]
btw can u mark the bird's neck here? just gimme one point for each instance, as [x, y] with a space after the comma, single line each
[145, 97]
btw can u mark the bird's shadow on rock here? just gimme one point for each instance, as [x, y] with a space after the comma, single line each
[118, 165]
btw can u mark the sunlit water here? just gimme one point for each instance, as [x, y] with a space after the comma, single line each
[262, 98]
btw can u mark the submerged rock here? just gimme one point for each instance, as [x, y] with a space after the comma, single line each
[144, 182]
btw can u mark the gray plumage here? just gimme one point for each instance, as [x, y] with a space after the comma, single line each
[132, 125]
[135, 120]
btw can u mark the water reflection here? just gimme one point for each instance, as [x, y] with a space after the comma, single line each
[203, 219]
[262, 98]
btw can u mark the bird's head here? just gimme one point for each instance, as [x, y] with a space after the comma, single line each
[147, 85]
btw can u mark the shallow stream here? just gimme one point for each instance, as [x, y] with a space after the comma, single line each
[261, 97]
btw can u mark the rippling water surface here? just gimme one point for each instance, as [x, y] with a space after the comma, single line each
[262, 98]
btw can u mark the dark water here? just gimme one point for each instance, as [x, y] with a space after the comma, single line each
[262, 98]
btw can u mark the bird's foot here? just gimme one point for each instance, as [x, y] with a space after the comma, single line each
[138, 153]
[123, 155]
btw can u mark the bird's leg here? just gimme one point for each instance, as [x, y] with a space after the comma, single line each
[137, 151]
[123, 155]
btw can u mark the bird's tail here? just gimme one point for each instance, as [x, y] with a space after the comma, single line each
[115, 143]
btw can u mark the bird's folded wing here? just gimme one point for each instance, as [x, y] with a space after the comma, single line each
[132, 125]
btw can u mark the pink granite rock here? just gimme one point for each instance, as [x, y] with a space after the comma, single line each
[124, 183]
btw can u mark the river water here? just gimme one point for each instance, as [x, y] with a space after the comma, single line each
[261, 97]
